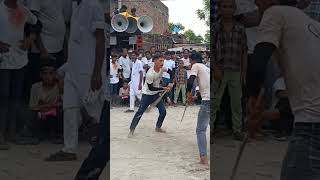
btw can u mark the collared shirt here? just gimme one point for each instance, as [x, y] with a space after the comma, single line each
[181, 76]
[230, 47]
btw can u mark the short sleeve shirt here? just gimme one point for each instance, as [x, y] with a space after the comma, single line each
[202, 72]
[153, 78]
[297, 38]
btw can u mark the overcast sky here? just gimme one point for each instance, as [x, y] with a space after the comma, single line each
[184, 11]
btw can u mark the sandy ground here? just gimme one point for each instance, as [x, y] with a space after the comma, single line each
[26, 163]
[153, 156]
[261, 160]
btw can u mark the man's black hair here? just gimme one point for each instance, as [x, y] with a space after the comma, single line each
[124, 7]
[196, 57]
[157, 56]
[186, 50]
[133, 10]
[167, 53]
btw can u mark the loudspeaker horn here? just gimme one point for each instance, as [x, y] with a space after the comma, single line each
[145, 24]
[132, 28]
[119, 23]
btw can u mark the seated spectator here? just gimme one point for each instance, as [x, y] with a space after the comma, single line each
[124, 94]
[43, 117]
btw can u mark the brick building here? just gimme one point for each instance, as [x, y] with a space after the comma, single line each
[153, 8]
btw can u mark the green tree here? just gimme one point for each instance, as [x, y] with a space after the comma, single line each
[192, 37]
[204, 14]
[178, 25]
[207, 37]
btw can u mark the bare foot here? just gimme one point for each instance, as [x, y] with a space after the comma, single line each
[204, 160]
[130, 135]
[159, 130]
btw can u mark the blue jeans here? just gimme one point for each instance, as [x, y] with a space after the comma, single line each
[93, 166]
[302, 161]
[146, 100]
[202, 125]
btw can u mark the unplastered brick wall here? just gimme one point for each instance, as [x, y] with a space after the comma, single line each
[153, 8]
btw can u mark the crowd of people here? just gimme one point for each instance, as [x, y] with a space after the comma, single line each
[129, 68]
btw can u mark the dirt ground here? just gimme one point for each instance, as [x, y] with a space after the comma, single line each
[261, 160]
[26, 163]
[153, 156]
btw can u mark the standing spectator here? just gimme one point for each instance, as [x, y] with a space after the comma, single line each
[136, 80]
[114, 79]
[54, 16]
[149, 59]
[125, 64]
[231, 55]
[153, 50]
[85, 73]
[180, 80]
[169, 64]
[13, 58]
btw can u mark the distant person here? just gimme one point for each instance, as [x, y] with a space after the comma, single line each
[133, 12]
[180, 81]
[124, 94]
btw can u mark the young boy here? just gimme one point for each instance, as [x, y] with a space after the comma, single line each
[136, 80]
[115, 69]
[180, 81]
[151, 92]
[229, 66]
[45, 108]
[124, 93]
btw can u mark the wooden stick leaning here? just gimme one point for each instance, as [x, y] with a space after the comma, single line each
[185, 108]
[244, 142]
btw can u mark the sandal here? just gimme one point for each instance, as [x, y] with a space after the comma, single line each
[62, 156]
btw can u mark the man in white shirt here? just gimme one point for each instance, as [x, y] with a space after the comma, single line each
[126, 64]
[295, 36]
[202, 73]
[136, 80]
[169, 64]
[13, 59]
[151, 92]
[85, 74]
[54, 15]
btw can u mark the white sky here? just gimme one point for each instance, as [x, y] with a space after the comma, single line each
[184, 11]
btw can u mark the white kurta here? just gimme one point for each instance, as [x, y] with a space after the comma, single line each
[137, 67]
[86, 19]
